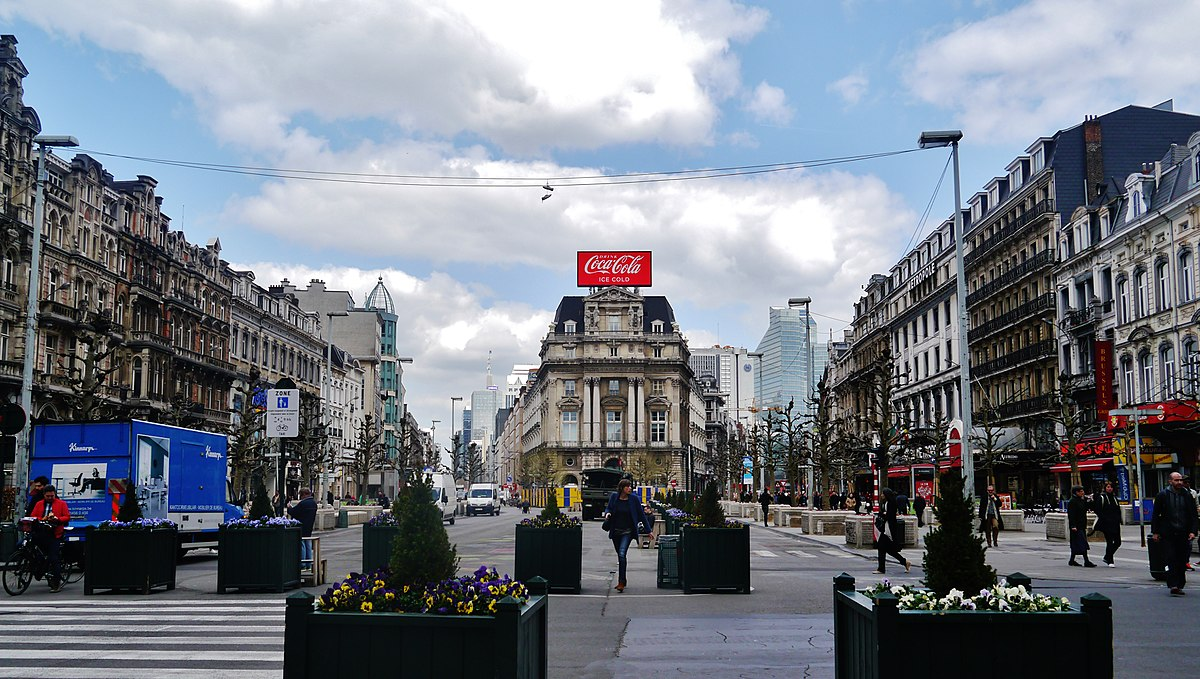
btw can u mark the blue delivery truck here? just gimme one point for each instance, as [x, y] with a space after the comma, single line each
[178, 474]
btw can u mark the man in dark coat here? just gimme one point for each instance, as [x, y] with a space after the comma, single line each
[765, 501]
[305, 511]
[919, 509]
[1108, 521]
[1077, 522]
[990, 522]
[1174, 525]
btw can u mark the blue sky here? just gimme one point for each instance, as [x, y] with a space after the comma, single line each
[538, 90]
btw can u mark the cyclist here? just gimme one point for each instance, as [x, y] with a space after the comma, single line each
[53, 516]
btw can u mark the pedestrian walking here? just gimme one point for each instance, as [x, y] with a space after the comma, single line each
[990, 521]
[1174, 524]
[890, 536]
[919, 508]
[1108, 521]
[765, 501]
[1077, 521]
[624, 516]
[305, 511]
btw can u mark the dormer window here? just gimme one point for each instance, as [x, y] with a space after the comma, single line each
[569, 327]
[656, 327]
[1135, 188]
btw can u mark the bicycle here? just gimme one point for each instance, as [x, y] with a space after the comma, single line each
[29, 562]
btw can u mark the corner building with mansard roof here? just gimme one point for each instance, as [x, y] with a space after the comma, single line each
[613, 387]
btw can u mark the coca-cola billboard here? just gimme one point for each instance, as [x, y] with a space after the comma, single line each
[611, 267]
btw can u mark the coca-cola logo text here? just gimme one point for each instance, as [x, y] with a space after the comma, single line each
[614, 268]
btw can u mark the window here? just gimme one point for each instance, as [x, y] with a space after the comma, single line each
[569, 327]
[612, 351]
[1127, 380]
[51, 354]
[5, 331]
[614, 322]
[1141, 304]
[935, 321]
[937, 359]
[614, 387]
[1145, 376]
[612, 419]
[570, 425]
[658, 426]
[657, 352]
[1185, 276]
[656, 327]
[1123, 300]
[568, 387]
[924, 326]
[658, 387]
[1162, 286]
[569, 352]
[1166, 358]
[1190, 368]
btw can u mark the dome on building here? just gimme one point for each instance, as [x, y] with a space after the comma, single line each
[380, 299]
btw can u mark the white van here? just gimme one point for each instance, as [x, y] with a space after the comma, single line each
[444, 495]
[483, 498]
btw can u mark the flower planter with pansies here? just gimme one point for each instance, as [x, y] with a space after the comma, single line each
[136, 556]
[377, 536]
[715, 559]
[480, 625]
[552, 550]
[258, 555]
[884, 628]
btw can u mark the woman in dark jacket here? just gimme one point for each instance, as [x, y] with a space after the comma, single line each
[1077, 522]
[1108, 521]
[890, 538]
[625, 516]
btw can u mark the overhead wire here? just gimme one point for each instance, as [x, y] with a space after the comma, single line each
[928, 206]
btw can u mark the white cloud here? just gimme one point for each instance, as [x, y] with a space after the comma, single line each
[768, 104]
[1045, 64]
[526, 77]
[851, 88]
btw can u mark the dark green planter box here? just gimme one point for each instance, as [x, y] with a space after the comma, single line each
[137, 560]
[714, 559]
[672, 525]
[377, 546]
[873, 638]
[258, 558]
[554, 554]
[508, 645]
[8, 540]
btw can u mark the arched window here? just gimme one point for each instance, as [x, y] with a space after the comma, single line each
[1166, 359]
[1145, 376]
[1141, 304]
[1185, 276]
[1123, 315]
[137, 378]
[1190, 368]
[1127, 380]
[1162, 285]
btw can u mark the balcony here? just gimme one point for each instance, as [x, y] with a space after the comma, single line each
[142, 338]
[1014, 409]
[1005, 320]
[183, 298]
[1039, 210]
[1009, 278]
[146, 283]
[206, 361]
[11, 370]
[57, 312]
[1033, 352]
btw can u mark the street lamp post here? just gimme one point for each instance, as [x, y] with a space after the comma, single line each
[328, 396]
[1137, 414]
[951, 138]
[433, 437]
[453, 442]
[21, 459]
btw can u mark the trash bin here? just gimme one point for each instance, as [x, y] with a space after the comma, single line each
[8, 540]
[668, 562]
[343, 520]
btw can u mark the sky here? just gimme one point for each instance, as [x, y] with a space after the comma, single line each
[478, 104]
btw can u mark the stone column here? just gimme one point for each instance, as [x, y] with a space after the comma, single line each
[586, 419]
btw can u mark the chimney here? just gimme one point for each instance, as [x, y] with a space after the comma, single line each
[1093, 159]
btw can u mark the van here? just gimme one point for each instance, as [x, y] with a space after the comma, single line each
[483, 498]
[443, 494]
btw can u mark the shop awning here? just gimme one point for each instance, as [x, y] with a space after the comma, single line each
[897, 471]
[1089, 465]
[953, 463]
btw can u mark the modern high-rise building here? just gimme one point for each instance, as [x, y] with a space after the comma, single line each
[786, 359]
[735, 370]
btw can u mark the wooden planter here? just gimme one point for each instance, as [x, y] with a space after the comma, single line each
[554, 554]
[508, 645]
[258, 558]
[714, 559]
[130, 559]
[873, 638]
[377, 546]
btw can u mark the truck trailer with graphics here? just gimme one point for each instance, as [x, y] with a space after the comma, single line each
[176, 473]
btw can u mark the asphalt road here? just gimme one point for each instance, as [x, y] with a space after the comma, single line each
[780, 629]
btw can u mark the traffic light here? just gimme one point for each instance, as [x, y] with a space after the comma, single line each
[12, 418]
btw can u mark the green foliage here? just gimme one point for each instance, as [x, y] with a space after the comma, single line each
[708, 509]
[551, 511]
[130, 509]
[260, 504]
[954, 553]
[659, 497]
[422, 551]
[688, 504]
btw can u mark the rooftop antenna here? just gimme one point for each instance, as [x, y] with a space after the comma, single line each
[490, 383]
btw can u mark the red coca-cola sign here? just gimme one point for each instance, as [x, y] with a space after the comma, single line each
[611, 267]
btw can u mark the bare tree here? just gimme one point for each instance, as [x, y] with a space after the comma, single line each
[793, 444]
[311, 446]
[832, 448]
[247, 441]
[368, 453]
[88, 368]
[473, 463]
[1072, 423]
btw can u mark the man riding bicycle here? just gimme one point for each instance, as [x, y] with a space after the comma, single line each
[53, 516]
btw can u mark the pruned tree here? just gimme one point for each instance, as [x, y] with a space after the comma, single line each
[247, 441]
[793, 444]
[367, 454]
[473, 463]
[311, 445]
[97, 355]
[1072, 424]
[830, 444]
[640, 466]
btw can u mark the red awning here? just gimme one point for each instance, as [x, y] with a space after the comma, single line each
[954, 463]
[897, 471]
[1088, 465]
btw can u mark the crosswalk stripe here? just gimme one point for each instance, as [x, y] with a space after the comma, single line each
[802, 555]
[84, 640]
[116, 627]
[836, 552]
[765, 553]
[132, 673]
[239, 603]
[64, 653]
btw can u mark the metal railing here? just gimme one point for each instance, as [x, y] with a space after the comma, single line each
[1014, 227]
[1027, 309]
[1008, 278]
[1033, 352]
